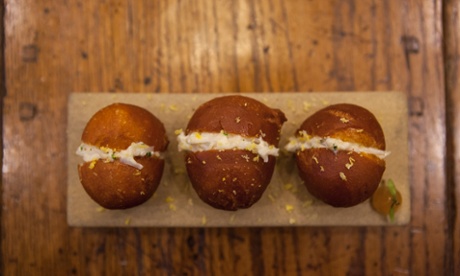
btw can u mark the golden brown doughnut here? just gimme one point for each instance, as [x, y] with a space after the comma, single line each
[234, 177]
[339, 154]
[110, 180]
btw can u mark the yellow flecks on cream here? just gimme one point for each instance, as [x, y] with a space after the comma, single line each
[127, 221]
[100, 209]
[178, 131]
[173, 107]
[204, 220]
[139, 149]
[307, 203]
[344, 120]
[92, 164]
[292, 221]
[169, 199]
[256, 158]
[306, 106]
[251, 147]
[289, 208]
[343, 176]
[172, 207]
[350, 163]
[304, 141]
[271, 197]
[197, 142]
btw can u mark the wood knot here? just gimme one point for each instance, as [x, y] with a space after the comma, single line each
[30, 53]
[27, 111]
[411, 44]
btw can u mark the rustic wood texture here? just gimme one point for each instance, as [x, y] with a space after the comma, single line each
[55, 47]
[452, 71]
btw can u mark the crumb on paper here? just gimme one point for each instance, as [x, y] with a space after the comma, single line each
[232, 218]
[292, 221]
[169, 199]
[172, 207]
[179, 170]
[190, 201]
[306, 106]
[100, 209]
[173, 107]
[290, 105]
[289, 208]
[127, 221]
[271, 197]
[290, 187]
[325, 102]
[149, 97]
[307, 203]
[204, 220]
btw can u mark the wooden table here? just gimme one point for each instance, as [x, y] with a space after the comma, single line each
[51, 48]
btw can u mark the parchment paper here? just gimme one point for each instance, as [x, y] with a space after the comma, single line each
[286, 201]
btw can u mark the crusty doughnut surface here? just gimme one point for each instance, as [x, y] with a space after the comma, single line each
[115, 185]
[342, 178]
[236, 178]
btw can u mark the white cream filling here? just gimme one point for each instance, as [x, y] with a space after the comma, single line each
[92, 153]
[306, 141]
[204, 141]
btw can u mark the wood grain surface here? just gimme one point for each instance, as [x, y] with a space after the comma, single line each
[52, 48]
